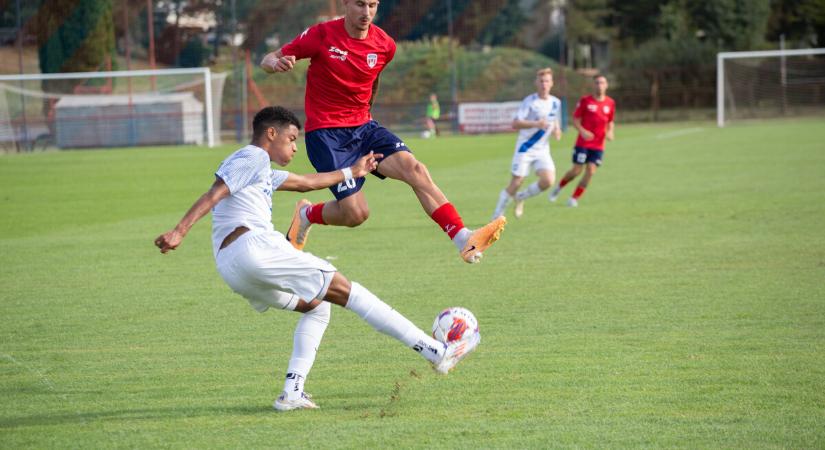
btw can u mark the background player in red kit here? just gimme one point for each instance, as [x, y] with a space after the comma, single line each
[346, 57]
[594, 120]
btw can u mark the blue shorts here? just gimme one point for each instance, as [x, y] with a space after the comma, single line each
[583, 155]
[331, 149]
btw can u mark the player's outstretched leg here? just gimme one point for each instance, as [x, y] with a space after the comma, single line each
[544, 182]
[532, 190]
[306, 340]
[299, 227]
[403, 166]
[385, 319]
[504, 199]
[569, 176]
[582, 187]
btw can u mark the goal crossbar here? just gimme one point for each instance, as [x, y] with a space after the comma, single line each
[720, 70]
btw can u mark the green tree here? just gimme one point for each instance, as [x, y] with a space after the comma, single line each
[491, 22]
[74, 36]
[802, 21]
[590, 21]
[731, 24]
[636, 21]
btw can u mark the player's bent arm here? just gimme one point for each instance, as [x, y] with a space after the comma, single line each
[316, 181]
[577, 124]
[172, 238]
[275, 62]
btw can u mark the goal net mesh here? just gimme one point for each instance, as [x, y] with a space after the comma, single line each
[767, 87]
[100, 111]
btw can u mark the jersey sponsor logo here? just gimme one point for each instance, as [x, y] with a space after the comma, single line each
[372, 59]
[337, 53]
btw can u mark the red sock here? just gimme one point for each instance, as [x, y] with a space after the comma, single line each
[448, 219]
[563, 182]
[578, 192]
[314, 213]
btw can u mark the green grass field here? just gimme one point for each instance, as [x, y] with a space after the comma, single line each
[681, 305]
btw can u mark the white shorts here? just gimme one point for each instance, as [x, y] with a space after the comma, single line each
[265, 269]
[537, 160]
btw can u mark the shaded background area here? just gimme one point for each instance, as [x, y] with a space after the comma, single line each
[659, 56]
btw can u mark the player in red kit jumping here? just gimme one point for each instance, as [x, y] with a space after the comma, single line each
[593, 119]
[347, 56]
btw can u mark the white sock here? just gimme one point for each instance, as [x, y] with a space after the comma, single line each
[461, 238]
[503, 200]
[390, 322]
[305, 342]
[531, 191]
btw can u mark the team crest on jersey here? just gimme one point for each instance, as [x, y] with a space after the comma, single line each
[372, 59]
[337, 53]
[606, 109]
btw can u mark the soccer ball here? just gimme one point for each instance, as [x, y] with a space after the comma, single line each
[426, 134]
[455, 324]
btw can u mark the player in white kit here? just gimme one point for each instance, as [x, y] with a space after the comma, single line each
[258, 263]
[538, 117]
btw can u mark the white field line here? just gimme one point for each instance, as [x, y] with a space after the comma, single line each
[43, 379]
[677, 133]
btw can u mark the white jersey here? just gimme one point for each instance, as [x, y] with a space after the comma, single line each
[535, 108]
[251, 181]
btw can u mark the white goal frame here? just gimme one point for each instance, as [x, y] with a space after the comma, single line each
[204, 71]
[720, 71]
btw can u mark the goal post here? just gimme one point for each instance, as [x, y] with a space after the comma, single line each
[110, 109]
[769, 83]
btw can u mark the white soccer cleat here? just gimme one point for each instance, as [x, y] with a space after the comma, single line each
[572, 202]
[282, 403]
[554, 194]
[455, 352]
[518, 209]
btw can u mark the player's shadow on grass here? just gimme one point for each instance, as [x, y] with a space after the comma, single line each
[133, 414]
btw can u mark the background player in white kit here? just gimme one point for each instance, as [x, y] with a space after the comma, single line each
[258, 263]
[537, 118]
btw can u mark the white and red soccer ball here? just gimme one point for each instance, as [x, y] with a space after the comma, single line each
[455, 324]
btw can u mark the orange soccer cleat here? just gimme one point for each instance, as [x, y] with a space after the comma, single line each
[481, 239]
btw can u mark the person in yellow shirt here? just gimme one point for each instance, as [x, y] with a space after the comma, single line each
[433, 113]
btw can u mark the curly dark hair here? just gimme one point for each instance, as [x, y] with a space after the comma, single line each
[273, 116]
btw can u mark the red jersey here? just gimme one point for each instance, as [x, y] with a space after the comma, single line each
[594, 116]
[341, 73]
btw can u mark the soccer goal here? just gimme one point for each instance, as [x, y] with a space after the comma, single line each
[773, 83]
[111, 109]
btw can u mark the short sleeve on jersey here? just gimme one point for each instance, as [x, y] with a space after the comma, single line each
[306, 44]
[278, 178]
[524, 109]
[242, 168]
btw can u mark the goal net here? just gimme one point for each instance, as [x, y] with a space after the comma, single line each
[110, 109]
[767, 84]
